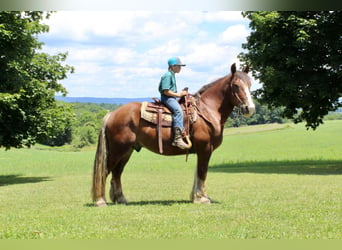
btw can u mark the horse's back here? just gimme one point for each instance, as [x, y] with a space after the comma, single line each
[125, 114]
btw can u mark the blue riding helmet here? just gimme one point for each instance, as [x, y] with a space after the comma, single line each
[175, 61]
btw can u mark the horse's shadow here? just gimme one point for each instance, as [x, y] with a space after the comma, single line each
[147, 203]
[158, 202]
[152, 203]
[6, 180]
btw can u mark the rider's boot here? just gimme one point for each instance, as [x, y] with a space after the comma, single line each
[178, 140]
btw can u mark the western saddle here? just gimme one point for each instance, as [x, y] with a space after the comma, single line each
[159, 115]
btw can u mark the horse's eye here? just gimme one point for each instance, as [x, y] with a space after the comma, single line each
[235, 87]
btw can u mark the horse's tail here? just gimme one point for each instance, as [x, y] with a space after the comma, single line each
[100, 167]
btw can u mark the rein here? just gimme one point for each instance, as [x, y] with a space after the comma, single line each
[199, 112]
[199, 102]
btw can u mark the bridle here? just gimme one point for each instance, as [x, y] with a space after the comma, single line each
[235, 93]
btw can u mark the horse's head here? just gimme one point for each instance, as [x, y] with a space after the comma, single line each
[240, 86]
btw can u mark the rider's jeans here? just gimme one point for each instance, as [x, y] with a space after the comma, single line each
[173, 105]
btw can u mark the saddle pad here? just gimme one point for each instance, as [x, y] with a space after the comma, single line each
[151, 115]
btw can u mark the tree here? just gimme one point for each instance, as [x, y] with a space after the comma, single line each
[29, 81]
[263, 115]
[60, 131]
[89, 117]
[297, 56]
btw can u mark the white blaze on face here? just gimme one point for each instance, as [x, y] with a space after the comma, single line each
[250, 104]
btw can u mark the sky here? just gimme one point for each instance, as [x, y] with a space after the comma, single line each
[124, 53]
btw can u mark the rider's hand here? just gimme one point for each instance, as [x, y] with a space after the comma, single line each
[183, 93]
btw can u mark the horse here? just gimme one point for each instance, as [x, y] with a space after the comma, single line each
[124, 131]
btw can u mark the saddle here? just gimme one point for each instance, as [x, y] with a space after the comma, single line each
[159, 115]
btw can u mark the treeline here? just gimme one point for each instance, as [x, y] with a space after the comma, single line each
[262, 115]
[81, 127]
[82, 124]
[265, 115]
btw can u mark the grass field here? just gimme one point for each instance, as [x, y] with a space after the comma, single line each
[267, 182]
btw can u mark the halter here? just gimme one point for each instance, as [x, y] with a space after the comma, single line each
[234, 94]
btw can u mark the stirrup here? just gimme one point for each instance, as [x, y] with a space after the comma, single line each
[187, 145]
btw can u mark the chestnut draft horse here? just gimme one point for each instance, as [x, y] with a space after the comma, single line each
[123, 131]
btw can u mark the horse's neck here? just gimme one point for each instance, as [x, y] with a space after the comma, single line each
[215, 100]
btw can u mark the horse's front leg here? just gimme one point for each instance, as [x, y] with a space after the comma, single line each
[199, 194]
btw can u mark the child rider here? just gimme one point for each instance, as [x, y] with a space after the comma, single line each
[168, 91]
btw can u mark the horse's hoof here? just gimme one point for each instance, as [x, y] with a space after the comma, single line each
[202, 200]
[101, 203]
[122, 200]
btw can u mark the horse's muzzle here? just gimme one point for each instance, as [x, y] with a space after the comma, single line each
[247, 110]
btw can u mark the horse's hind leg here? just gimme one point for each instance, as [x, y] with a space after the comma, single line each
[116, 193]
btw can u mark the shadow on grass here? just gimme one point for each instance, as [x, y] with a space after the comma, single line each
[150, 203]
[302, 167]
[18, 179]
[157, 202]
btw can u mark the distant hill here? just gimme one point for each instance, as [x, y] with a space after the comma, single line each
[117, 101]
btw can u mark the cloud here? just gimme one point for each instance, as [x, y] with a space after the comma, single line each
[124, 53]
[207, 54]
[80, 25]
[235, 33]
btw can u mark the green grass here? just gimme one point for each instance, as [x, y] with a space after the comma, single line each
[267, 182]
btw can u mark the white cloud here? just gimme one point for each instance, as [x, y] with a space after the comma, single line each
[123, 56]
[169, 48]
[236, 33]
[205, 54]
[80, 25]
[124, 53]
[88, 68]
[88, 54]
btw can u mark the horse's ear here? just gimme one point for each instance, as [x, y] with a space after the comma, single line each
[233, 68]
[246, 69]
